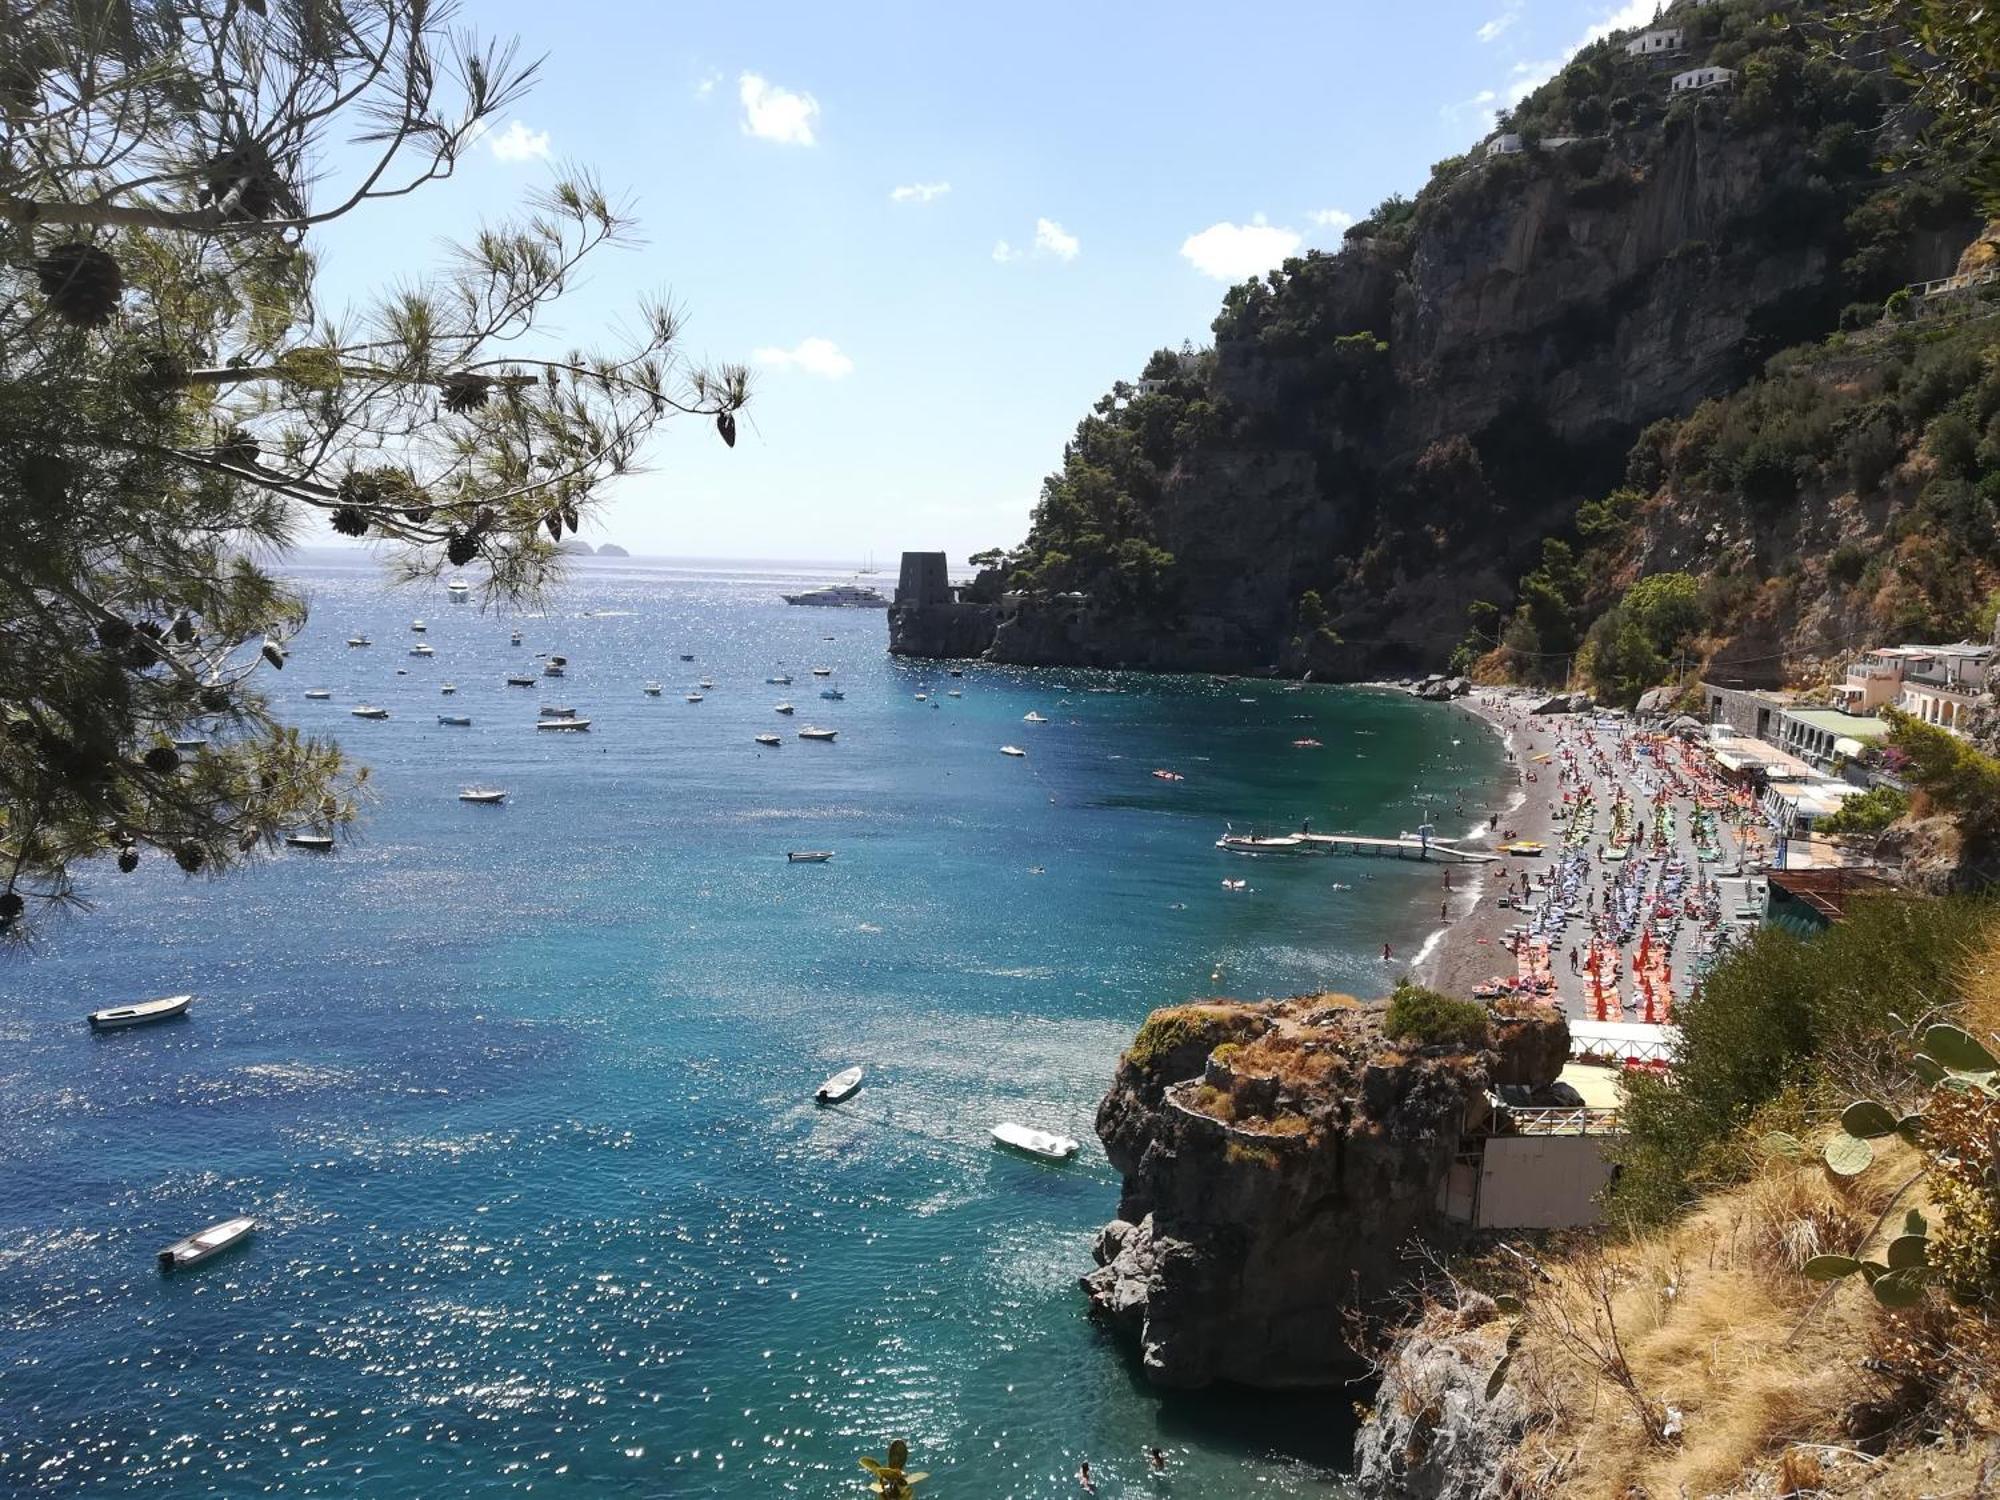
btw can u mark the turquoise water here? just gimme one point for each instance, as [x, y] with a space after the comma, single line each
[520, 1096]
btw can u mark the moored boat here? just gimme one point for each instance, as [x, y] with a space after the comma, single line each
[768, 739]
[359, 640]
[822, 671]
[809, 856]
[1033, 717]
[783, 708]
[572, 723]
[814, 732]
[319, 695]
[1043, 1143]
[418, 627]
[1014, 750]
[423, 649]
[556, 711]
[114, 1017]
[457, 721]
[369, 711]
[458, 591]
[312, 843]
[519, 679]
[841, 1086]
[208, 1243]
[832, 694]
[486, 795]
[784, 680]
[653, 690]
[693, 697]
[448, 688]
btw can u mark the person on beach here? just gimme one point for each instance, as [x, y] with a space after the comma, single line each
[1444, 911]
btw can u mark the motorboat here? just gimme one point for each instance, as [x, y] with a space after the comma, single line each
[809, 856]
[1043, 1143]
[706, 685]
[840, 596]
[1169, 776]
[768, 739]
[457, 721]
[423, 649]
[359, 640]
[1032, 717]
[556, 711]
[487, 796]
[822, 671]
[206, 1244]
[312, 843]
[139, 1014]
[572, 723]
[923, 697]
[319, 695]
[554, 666]
[1012, 750]
[693, 697]
[833, 694]
[841, 1086]
[813, 732]
[418, 627]
[953, 693]
[448, 688]
[687, 656]
[783, 708]
[514, 639]
[519, 679]
[369, 711]
[653, 690]
[782, 681]
[1282, 843]
[458, 591]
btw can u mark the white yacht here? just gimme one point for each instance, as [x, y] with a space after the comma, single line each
[423, 649]
[572, 724]
[418, 627]
[1032, 717]
[840, 596]
[1012, 750]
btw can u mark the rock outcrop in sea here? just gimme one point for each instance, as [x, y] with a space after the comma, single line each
[1278, 1158]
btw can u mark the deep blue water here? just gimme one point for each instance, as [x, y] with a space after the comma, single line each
[520, 1096]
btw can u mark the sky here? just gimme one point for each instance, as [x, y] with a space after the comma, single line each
[937, 233]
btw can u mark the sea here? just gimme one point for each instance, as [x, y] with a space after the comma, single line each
[521, 1096]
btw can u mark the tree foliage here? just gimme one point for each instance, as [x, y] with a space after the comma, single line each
[1955, 776]
[175, 403]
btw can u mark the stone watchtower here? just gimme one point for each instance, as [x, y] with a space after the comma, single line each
[924, 580]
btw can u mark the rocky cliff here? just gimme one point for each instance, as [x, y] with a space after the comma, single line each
[1380, 436]
[1277, 1158]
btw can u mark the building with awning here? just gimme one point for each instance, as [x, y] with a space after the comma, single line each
[1817, 735]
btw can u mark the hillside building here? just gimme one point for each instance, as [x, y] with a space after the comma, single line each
[1937, 684]
[1659, 41]
[1694, 80]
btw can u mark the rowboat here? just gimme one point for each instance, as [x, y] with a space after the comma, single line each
[810, 732]
[841, 1086]
[139, 1014]
[822, 671]
[1043, 1143]
[486, 795]
[1012, 750]
[369, 711]
[519, 679]
[312, 843]
[569, 723]
[211, 1241]
[319, 694]
[809, 856]
[769, 739]
[459, 721]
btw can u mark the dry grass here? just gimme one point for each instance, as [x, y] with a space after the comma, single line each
[1709, 1318]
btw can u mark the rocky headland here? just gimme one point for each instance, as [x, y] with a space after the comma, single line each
[1278, 1159]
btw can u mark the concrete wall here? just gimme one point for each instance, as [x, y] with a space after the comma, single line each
[1749, 713]
[1541, 1181]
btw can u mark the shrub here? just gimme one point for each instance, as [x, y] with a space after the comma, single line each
[1898, 305]
[1431, 1019]
[1846, 563]
[1866, 815]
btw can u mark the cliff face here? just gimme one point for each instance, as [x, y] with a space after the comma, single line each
[1276, 1159]
[1382, 435]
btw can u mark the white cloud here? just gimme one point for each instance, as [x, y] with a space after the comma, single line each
[815, 356]
[776, 114]
[1052, 239]
[1478, 104]
[919, 192]
[1004, 252]
[1493, 28]
[706, 87]
[1232, 252]
[1339, 220]
[518, 143]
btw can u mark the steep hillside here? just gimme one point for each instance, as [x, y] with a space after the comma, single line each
[1382, 435]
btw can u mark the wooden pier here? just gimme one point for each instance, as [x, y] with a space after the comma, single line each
[1353, 843]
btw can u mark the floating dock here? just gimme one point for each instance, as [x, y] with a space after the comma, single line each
[1352, 843]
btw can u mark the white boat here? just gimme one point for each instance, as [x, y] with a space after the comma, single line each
[514, 639]
[832, 694]
[458, 591]
[448, 687]
[705, 685]
[822, 671]
[319, 694]
[923, 697]
[652, 690]
[359, 640]
[813, 732]
[571, 723]
[783, 708]
[694, 697]
[418, 627]
[784, 681]
[422, 649]
[139, 1014]
[313, 843]
[1012, 750]
[487, 795]
[841, 1086]
[809, 856]
[840, 596]
[768, 739]
[369, 711]
[953, 693]
[1043, 1143]
[457, 721]
[1032, 717]
[555, 667]
[520, 680]
[211, 1241]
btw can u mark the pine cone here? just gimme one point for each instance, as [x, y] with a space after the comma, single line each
[238, 447]
[554, 521]
[465, 391]
[569, 515]
[214, 700]
[274, 654]
[162, 760]
[461, 549]
[350, 520]
[81, 281]
[244, 183]
[419, 516]
[11, 906]
[128, 859]
[183, 628]
[190, 857]
[725, 423]
[114, 634]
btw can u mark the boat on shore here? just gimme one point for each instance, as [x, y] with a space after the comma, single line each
[206, 1244]
[572, 724]
[312, 843]
[486, 796]
[140, 1013]
[1045, 1144]
[809, 856]
[814, 732]
[841, 1086]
